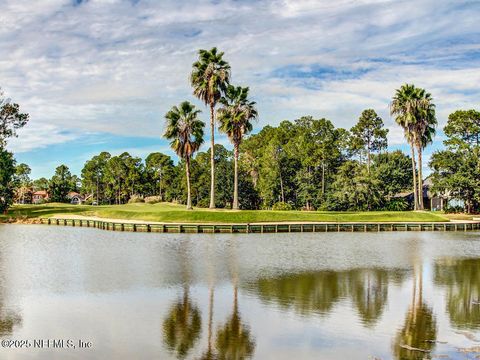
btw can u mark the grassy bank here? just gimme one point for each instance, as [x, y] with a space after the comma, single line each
[166, 212]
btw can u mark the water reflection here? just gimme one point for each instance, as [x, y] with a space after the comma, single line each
[369, 291]
[316, 296]
[9, 319]
[234, 340]
[183, 324]
[318, 292]
[417, 338]
[461, 277]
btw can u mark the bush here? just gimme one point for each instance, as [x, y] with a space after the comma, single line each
[136, 199]
[397, 204]
[282, 206]
[202, 203]
[453, 209]
[153, 199]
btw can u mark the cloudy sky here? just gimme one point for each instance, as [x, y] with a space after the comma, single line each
[100, 74]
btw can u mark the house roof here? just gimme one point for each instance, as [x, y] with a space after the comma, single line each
[73, 194]
[41, 192]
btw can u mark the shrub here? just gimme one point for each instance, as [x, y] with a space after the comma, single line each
[397, 204]
[204, 203]
[453, 209]
[153, 199]
[282, 206]
[136, 199]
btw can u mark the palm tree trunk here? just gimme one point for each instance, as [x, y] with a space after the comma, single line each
[420, 179]
[281, 185]
[323, 177]
[212, 157]
[414, 169]
[160, 185]
[235, 181]
[187, 169]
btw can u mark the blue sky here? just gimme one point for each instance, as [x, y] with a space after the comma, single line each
[99, 75]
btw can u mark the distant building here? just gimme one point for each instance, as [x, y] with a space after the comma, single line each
[75, 198]
[39, 197]
[431, 200]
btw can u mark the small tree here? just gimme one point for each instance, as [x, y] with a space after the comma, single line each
[368, 135]
[7, 172]
[11, 119]
[185, 131]
[61, 184]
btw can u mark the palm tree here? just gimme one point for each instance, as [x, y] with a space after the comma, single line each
[185, 131]
[424, 131]
[209, 79]
[235, 118]
[415, 113]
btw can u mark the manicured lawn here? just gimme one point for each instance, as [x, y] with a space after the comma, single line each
[461, 216]
[166, 212]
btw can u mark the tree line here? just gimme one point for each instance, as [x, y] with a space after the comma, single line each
[306, 164]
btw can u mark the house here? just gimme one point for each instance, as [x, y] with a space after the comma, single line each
[431, 201]
[75, 198]
[39, 197]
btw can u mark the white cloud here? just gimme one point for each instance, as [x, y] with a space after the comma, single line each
[117, 67]
[37, 136]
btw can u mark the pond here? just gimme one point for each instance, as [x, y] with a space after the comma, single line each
[113, 295]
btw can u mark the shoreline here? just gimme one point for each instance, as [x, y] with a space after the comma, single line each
[247, 228]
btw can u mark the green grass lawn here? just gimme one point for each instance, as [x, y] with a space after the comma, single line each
[166, 212]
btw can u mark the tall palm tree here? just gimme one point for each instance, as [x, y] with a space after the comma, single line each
[424, 131]
[209, 79]
[415, 113]
[185, 131]
[235, 118]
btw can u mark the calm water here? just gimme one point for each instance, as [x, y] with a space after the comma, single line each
[276, 296]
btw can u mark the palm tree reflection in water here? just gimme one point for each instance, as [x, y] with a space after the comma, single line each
[182, 326]
[416, 339]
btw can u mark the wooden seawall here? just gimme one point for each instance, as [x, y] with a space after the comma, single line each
[263, 228]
